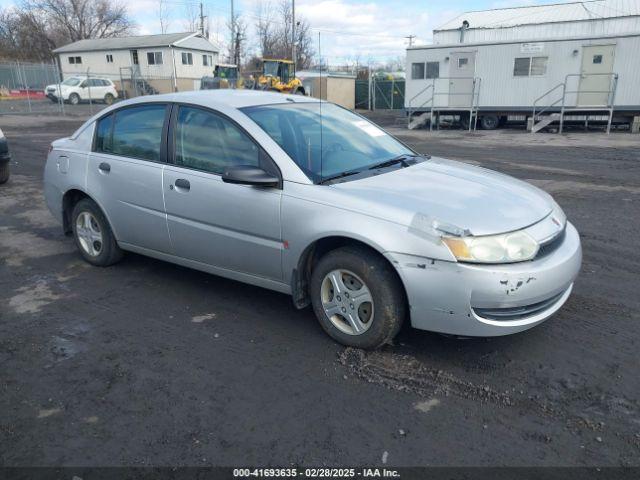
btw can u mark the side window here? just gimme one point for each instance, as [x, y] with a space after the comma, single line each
[209, 142]
[521, 67]
[103, 135]
[417, 71]
[433, 69]
[136, 132]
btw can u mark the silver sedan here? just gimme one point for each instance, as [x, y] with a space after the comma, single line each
[309, 199]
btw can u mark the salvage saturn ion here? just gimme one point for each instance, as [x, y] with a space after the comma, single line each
[307, 198]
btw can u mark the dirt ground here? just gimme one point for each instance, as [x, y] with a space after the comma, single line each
[147, 363]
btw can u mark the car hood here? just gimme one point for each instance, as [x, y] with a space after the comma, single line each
[469, 198]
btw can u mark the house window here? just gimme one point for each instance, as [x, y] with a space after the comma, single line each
[417, 71]
[134, 57]
[154, 58]
[187, 58]
[75, 60]
[109, 58]
[463, 63]
[597, 59]
[433, 69]
[530, 66]
[207, 60]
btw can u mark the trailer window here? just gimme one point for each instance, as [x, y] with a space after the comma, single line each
[417, 71]
[538, 66]
[433, 69]
[463, 63]
[530, 66]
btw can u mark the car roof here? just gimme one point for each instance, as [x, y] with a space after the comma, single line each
[225, 98]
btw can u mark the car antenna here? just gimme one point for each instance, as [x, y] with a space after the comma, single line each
[320, 75]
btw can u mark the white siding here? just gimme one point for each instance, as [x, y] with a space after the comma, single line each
[97, 64]
[494, 65]
[597, 27]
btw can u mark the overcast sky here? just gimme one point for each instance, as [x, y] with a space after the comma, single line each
[370, 29]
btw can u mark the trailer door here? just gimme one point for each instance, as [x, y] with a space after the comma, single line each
[462, 67]
[594, 89]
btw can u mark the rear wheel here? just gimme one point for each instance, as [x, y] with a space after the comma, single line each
[489, 122]
[357, 297]
[74, 99]
[108, 99]
[4, 172]
[93, 235]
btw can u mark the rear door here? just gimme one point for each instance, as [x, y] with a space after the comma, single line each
[234, 227]
[595, 79]
[125, 174]
[462, 67]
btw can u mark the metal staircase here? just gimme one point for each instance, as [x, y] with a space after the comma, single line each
[544, 115]
[419, 115]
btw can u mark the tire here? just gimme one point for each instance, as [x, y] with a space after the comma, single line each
[74, 99]
[464, 122]
[380, 318]
[489, 122]
[4, 172]
[109, 252]
[109, 98]
[299, 91]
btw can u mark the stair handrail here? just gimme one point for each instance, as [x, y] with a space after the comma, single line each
[535, 102]
[430, 99]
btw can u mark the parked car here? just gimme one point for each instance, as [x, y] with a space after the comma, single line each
[315, 201]
[82, 89]
[5, 158]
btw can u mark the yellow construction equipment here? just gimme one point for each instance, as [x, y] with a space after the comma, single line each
[279, 75]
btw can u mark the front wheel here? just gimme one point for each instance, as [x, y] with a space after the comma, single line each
[357, 297]
[93, 235]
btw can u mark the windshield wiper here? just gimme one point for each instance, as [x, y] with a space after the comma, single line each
[402, 159]
[340, 175]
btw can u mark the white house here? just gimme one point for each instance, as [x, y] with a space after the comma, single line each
[163, 63]
[576, 59]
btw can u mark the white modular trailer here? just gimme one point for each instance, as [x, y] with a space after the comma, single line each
[511, 76]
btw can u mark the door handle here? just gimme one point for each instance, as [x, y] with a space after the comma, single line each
[182, 183]
[104, 167]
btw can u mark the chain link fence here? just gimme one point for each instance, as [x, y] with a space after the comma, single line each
[41, 88]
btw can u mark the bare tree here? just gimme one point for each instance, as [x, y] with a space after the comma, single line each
[163, 15]
[81, 19]
[273, 28]
[191, 23]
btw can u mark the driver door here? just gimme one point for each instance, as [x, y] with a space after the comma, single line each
[229, 226]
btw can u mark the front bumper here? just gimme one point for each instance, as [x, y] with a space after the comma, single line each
[489, 300]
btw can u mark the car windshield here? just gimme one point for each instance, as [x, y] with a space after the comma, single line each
[71, 82]
[342, 142]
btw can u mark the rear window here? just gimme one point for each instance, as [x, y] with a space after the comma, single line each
[132, 132]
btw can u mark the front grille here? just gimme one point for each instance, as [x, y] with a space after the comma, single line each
[517, 313]
[552, 245]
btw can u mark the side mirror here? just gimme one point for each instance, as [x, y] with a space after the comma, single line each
[248, 175]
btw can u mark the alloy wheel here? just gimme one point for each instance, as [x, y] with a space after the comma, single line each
[89, 234]
[347, 302]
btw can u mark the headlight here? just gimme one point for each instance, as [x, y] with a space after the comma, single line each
[505, 248]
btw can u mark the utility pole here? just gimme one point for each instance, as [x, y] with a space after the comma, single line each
[201, 20]
[293, 34]
[410, 37]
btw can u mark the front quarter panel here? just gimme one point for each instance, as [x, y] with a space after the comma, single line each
[312, 212]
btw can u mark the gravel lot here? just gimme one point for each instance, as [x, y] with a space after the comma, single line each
[147, 363]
